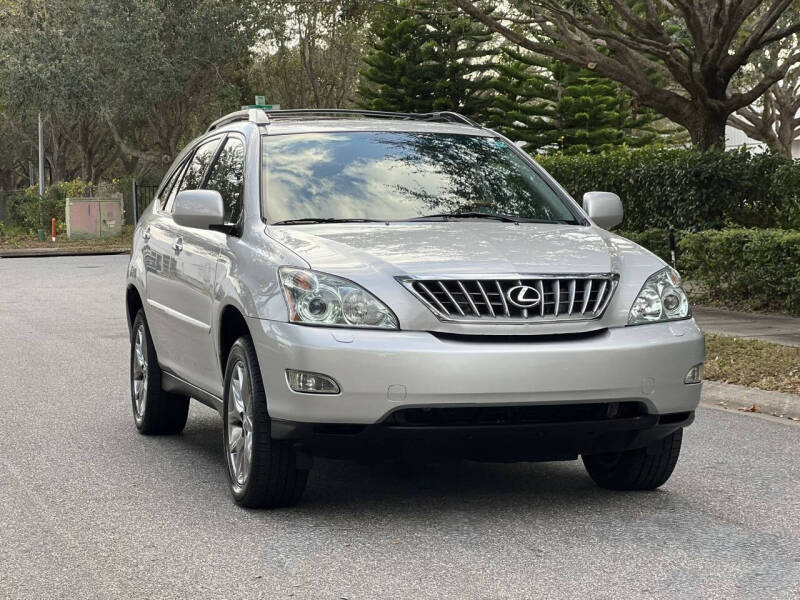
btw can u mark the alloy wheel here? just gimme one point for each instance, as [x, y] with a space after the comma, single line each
[239, 423]
[139, 373]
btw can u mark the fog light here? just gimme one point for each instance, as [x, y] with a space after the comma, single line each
[311, 383]
[695, 374]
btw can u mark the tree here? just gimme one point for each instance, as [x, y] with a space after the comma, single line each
[554, 105]
[424, 57]
[174, 66]
[312, 53]
[47, 65]
[775, 118]
[678, 57]
[113, 77]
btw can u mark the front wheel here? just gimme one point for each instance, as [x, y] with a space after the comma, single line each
[640, 469]
[263, 472]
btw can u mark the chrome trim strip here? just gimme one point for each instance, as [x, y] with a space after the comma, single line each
[502, 298]
[572, 286]
[450, 296]
[469, 298]
[556, 296]
[540, 287]
[602, 309]
[600, 297]
[486, 298]
[587, 291]
[433, 296]
[505, 276]
[178, 315]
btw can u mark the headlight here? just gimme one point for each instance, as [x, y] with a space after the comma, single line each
[662, 299]
[317, 298]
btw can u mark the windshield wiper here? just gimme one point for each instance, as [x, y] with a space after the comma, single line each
[312, 220]
[493, 216]
[469, 215]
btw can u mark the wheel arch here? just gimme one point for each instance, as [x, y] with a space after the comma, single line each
[133, 303]
[232, 326]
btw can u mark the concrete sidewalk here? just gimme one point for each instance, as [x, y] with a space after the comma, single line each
[778, 329]
[749, 399]
[47, 252]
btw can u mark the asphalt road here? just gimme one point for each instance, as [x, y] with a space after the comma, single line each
[91, 509]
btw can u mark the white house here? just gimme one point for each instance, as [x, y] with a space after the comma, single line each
[736, 138]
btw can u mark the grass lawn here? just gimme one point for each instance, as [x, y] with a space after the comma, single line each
[14, 240]
[752, 362]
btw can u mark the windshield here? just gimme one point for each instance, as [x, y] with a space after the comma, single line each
[397, 176]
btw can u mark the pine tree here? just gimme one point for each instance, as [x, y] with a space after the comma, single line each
[425, 56]
[553, 106]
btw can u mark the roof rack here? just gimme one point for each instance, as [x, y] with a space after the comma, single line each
[254, 115]
[263, 117]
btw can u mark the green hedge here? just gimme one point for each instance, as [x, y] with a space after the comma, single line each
[688, 189]
[757, 269]
[27, 211]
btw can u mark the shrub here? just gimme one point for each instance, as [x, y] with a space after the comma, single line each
[25, 210]
[688, 189]
[655, 240]
[747, 268]
[754, 268]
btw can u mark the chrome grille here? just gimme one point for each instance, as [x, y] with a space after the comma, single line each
[562, 297]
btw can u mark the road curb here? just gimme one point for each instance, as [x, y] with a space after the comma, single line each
[48, 252]
[728, 395]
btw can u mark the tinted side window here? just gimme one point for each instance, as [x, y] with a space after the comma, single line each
[227, 177]
[167, 187]
[170, 198]
[193, 178]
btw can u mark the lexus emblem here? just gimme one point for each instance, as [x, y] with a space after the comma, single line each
[524, 296]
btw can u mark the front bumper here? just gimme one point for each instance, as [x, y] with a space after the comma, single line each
[380, 372]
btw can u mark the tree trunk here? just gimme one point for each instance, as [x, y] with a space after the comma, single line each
[786, 133]
[707, 129]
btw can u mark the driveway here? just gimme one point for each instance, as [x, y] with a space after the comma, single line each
[91, 509]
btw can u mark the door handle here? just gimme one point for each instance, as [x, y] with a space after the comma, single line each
[177, 245]
[146, 234]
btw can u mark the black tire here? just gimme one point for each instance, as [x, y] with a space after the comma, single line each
[640, 469]
[161, 412]
[273, 478]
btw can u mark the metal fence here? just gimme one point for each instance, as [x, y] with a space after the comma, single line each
[142, 197]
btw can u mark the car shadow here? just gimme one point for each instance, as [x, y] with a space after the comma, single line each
[341, 487]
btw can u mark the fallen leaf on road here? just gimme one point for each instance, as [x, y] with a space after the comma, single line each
[753, 409]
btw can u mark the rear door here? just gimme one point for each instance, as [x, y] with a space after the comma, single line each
[159, 263]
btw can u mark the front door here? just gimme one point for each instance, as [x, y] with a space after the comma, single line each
[181, 322]
[196, 264]
[196, 253]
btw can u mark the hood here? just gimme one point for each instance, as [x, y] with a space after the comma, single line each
[450, 248]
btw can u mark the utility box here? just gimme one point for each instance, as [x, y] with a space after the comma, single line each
[99, 217]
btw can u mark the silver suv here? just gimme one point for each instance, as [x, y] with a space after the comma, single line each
[397, 286]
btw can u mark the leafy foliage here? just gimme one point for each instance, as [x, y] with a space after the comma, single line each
[679, 58]
[756, 269]
[688, 189]
[554, 105]
[312, 53]
[28, 212]
[426, 57]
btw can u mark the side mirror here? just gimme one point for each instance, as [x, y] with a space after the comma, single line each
[200, 209]
[604, 208]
